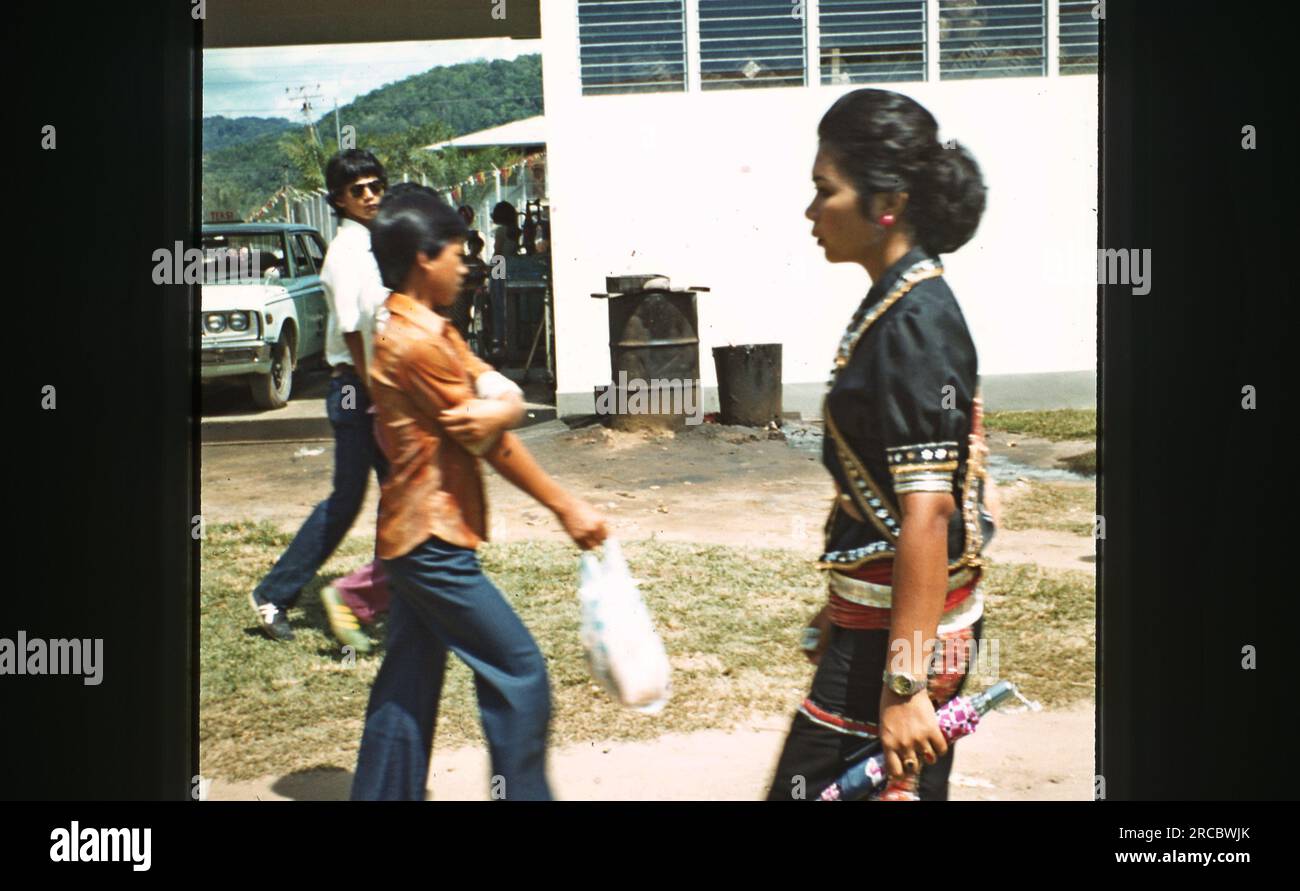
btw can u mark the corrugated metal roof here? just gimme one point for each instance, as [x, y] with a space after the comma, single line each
[526, 131]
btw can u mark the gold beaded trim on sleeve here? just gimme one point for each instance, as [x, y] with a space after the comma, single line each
[863, 490]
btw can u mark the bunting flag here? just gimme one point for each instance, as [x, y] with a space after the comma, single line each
[281, 193]
[535, 163]
[265, 208]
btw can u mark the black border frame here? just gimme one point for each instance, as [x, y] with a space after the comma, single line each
[104, 486]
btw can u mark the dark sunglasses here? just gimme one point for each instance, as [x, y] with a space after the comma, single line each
[374, 186]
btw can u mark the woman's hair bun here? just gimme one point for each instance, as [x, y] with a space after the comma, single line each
[948, 202]
[884, 141]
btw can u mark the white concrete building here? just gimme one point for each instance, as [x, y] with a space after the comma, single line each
[681, 135]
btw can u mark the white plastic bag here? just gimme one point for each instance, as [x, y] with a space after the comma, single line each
[623, 650]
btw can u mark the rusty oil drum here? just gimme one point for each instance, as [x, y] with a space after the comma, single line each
[654, 335]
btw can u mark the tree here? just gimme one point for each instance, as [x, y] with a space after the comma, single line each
[405, 155]
[244, 158]
[306, 158]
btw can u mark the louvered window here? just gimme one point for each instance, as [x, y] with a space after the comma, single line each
[868, 41]
[751, 43]
[632, 46]
[992, 38]
[1079, 37]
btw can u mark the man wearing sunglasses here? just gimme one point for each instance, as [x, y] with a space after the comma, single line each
[354, 291]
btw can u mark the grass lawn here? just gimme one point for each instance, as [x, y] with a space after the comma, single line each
[1084, 462]
[729, 618]
[1056, 425]
[1061, 507]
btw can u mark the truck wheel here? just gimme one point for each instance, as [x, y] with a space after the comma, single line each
[272, 390]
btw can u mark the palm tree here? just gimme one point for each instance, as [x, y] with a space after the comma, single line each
[306, 157]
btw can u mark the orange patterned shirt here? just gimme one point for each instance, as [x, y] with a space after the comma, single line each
[434, 488]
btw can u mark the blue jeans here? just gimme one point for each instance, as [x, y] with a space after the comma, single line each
[442, 601]
[355, 453]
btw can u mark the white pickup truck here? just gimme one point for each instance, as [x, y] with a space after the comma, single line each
[265, 312]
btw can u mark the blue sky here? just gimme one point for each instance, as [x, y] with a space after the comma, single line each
[251, 81]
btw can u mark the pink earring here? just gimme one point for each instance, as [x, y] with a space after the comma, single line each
[887, 219]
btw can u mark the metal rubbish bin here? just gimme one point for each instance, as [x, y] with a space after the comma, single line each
[749, 384]
[654, 354]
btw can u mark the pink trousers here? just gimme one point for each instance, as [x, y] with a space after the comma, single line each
[365, 591]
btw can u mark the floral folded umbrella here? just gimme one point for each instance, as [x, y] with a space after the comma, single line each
[957, 718]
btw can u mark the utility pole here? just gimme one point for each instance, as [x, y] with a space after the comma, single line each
[338, 131]
[303, 99]
[300, 97]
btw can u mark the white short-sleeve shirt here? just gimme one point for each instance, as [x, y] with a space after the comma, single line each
[353, 290]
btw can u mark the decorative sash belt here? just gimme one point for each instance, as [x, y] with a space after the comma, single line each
[861, 599]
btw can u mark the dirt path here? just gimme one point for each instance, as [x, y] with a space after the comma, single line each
[697, 487]
[1053, 550]
[1022, 756]
[720, 485]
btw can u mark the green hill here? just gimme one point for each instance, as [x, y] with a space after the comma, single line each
[220, 132]
[466, 97]
[246, 159]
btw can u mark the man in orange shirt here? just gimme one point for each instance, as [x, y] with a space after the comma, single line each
[429, 391]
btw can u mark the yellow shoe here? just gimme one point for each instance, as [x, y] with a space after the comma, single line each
[343, 622]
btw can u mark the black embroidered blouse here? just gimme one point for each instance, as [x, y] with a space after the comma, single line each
[899, 417]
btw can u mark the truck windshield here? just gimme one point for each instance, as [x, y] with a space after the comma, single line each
[242, 257]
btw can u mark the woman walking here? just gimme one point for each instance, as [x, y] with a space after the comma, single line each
[904, 445]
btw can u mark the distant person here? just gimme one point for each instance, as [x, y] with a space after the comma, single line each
[355, 181]
[544, 236]
[506, 231]
[432, 518]
[469, 304]
[505, 244]
[474, 256]
[530, 231]
[467, 214]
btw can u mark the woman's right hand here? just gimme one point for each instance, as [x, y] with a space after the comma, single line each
[583, 524]
[821, 623]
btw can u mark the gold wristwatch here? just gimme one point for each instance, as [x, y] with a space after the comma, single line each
[903, 684]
